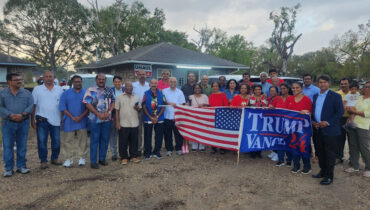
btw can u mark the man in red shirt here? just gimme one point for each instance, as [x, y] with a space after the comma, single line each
[164, 82]
[246, 79]
[274, 73]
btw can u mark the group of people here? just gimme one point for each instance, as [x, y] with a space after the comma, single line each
[126, 113]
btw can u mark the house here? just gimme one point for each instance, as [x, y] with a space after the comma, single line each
[10, 64]
[153, 59]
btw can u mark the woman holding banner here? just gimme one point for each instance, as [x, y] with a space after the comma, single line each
[276, 101]
[216, 99]
[257, 100]
[300, 102]
[198, 100]
[285, 92]
[242, 98]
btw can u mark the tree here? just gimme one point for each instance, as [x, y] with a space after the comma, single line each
[237, 49]
[283, 37]
[210, 40]
[50, 32]
[120, 28]
[177, 38]
[352, 47]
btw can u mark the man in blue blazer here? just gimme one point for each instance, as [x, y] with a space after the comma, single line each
[327, 112]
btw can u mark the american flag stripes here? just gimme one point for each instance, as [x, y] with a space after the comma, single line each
[216, 127]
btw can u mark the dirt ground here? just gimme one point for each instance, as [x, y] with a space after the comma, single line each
[193, 181]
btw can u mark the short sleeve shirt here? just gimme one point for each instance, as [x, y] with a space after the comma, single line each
[100, 100]
[72, 102]
[128, 116]
[174, 96]
[139, 90]
[47, 103]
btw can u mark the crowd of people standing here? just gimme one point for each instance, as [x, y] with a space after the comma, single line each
[125, 116]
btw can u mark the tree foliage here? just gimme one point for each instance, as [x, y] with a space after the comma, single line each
[50, 32]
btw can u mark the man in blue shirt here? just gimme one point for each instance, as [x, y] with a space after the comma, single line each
[16, 104]
[309, 89]
[327, 112]
[265, 85]
[74, 122]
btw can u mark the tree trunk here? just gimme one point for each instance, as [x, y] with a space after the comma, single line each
[284, 67]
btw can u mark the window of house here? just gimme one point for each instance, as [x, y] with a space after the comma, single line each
[3, 72]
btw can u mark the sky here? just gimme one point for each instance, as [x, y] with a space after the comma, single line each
[319, 20]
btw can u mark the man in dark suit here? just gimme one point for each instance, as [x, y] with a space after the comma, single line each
[327, 112]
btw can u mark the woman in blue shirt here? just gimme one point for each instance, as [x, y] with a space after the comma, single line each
[231, 89]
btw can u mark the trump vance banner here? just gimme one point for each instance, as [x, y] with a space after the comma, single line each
[246, 129]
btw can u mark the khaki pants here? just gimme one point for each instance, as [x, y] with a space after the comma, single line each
[75, 142]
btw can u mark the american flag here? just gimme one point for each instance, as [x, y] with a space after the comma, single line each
[216, 127]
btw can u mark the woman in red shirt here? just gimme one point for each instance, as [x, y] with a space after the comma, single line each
[216, 99]
[242, 98]
[300, 102]
[285, 92]
[274, 101]
[257, 100]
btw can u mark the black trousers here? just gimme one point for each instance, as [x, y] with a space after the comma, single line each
[169, 128]
[327, 149]
[128, 137]
[342, 139]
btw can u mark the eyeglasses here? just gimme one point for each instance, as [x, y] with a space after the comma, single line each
[17, 80]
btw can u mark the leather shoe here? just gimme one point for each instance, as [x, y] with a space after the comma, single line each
[326, 181]
[317, 176]
[56, 162]
[103, 162]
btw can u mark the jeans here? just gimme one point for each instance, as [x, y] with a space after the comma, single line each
[43, 129]
[18, 132]
[99, 139]
[305, 160]
[281, 155]
[169, 128]
[158, 129]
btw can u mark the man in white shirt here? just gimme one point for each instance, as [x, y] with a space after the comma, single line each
[46, 99]
[174, 96]
[140, 87]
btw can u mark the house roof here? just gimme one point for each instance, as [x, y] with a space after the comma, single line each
[14, 61]
[165, 54]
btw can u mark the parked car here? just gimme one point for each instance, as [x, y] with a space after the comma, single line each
[88, 80]
[255, 79]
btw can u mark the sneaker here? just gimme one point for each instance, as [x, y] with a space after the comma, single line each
[169, 153]
[271, 154]
[44, 165]
[147, 157]
[193, 150]
[306, 171]
[158, 156]
[135, 160]
[279, 164]
[366, 173]
[275, 158]
[23, 170]
[295, 170]
[56, 162]
[94, 165]
[186, 148]
[259, 155]
[179, 152]
[68, 163]
[81, 162]
[351, 170]
[202, 150]
[114, 157]
[288, 164]
[8, 173]
[124, 162]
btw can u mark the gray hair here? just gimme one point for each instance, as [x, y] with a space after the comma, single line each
[172, 78]
[263, 73]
